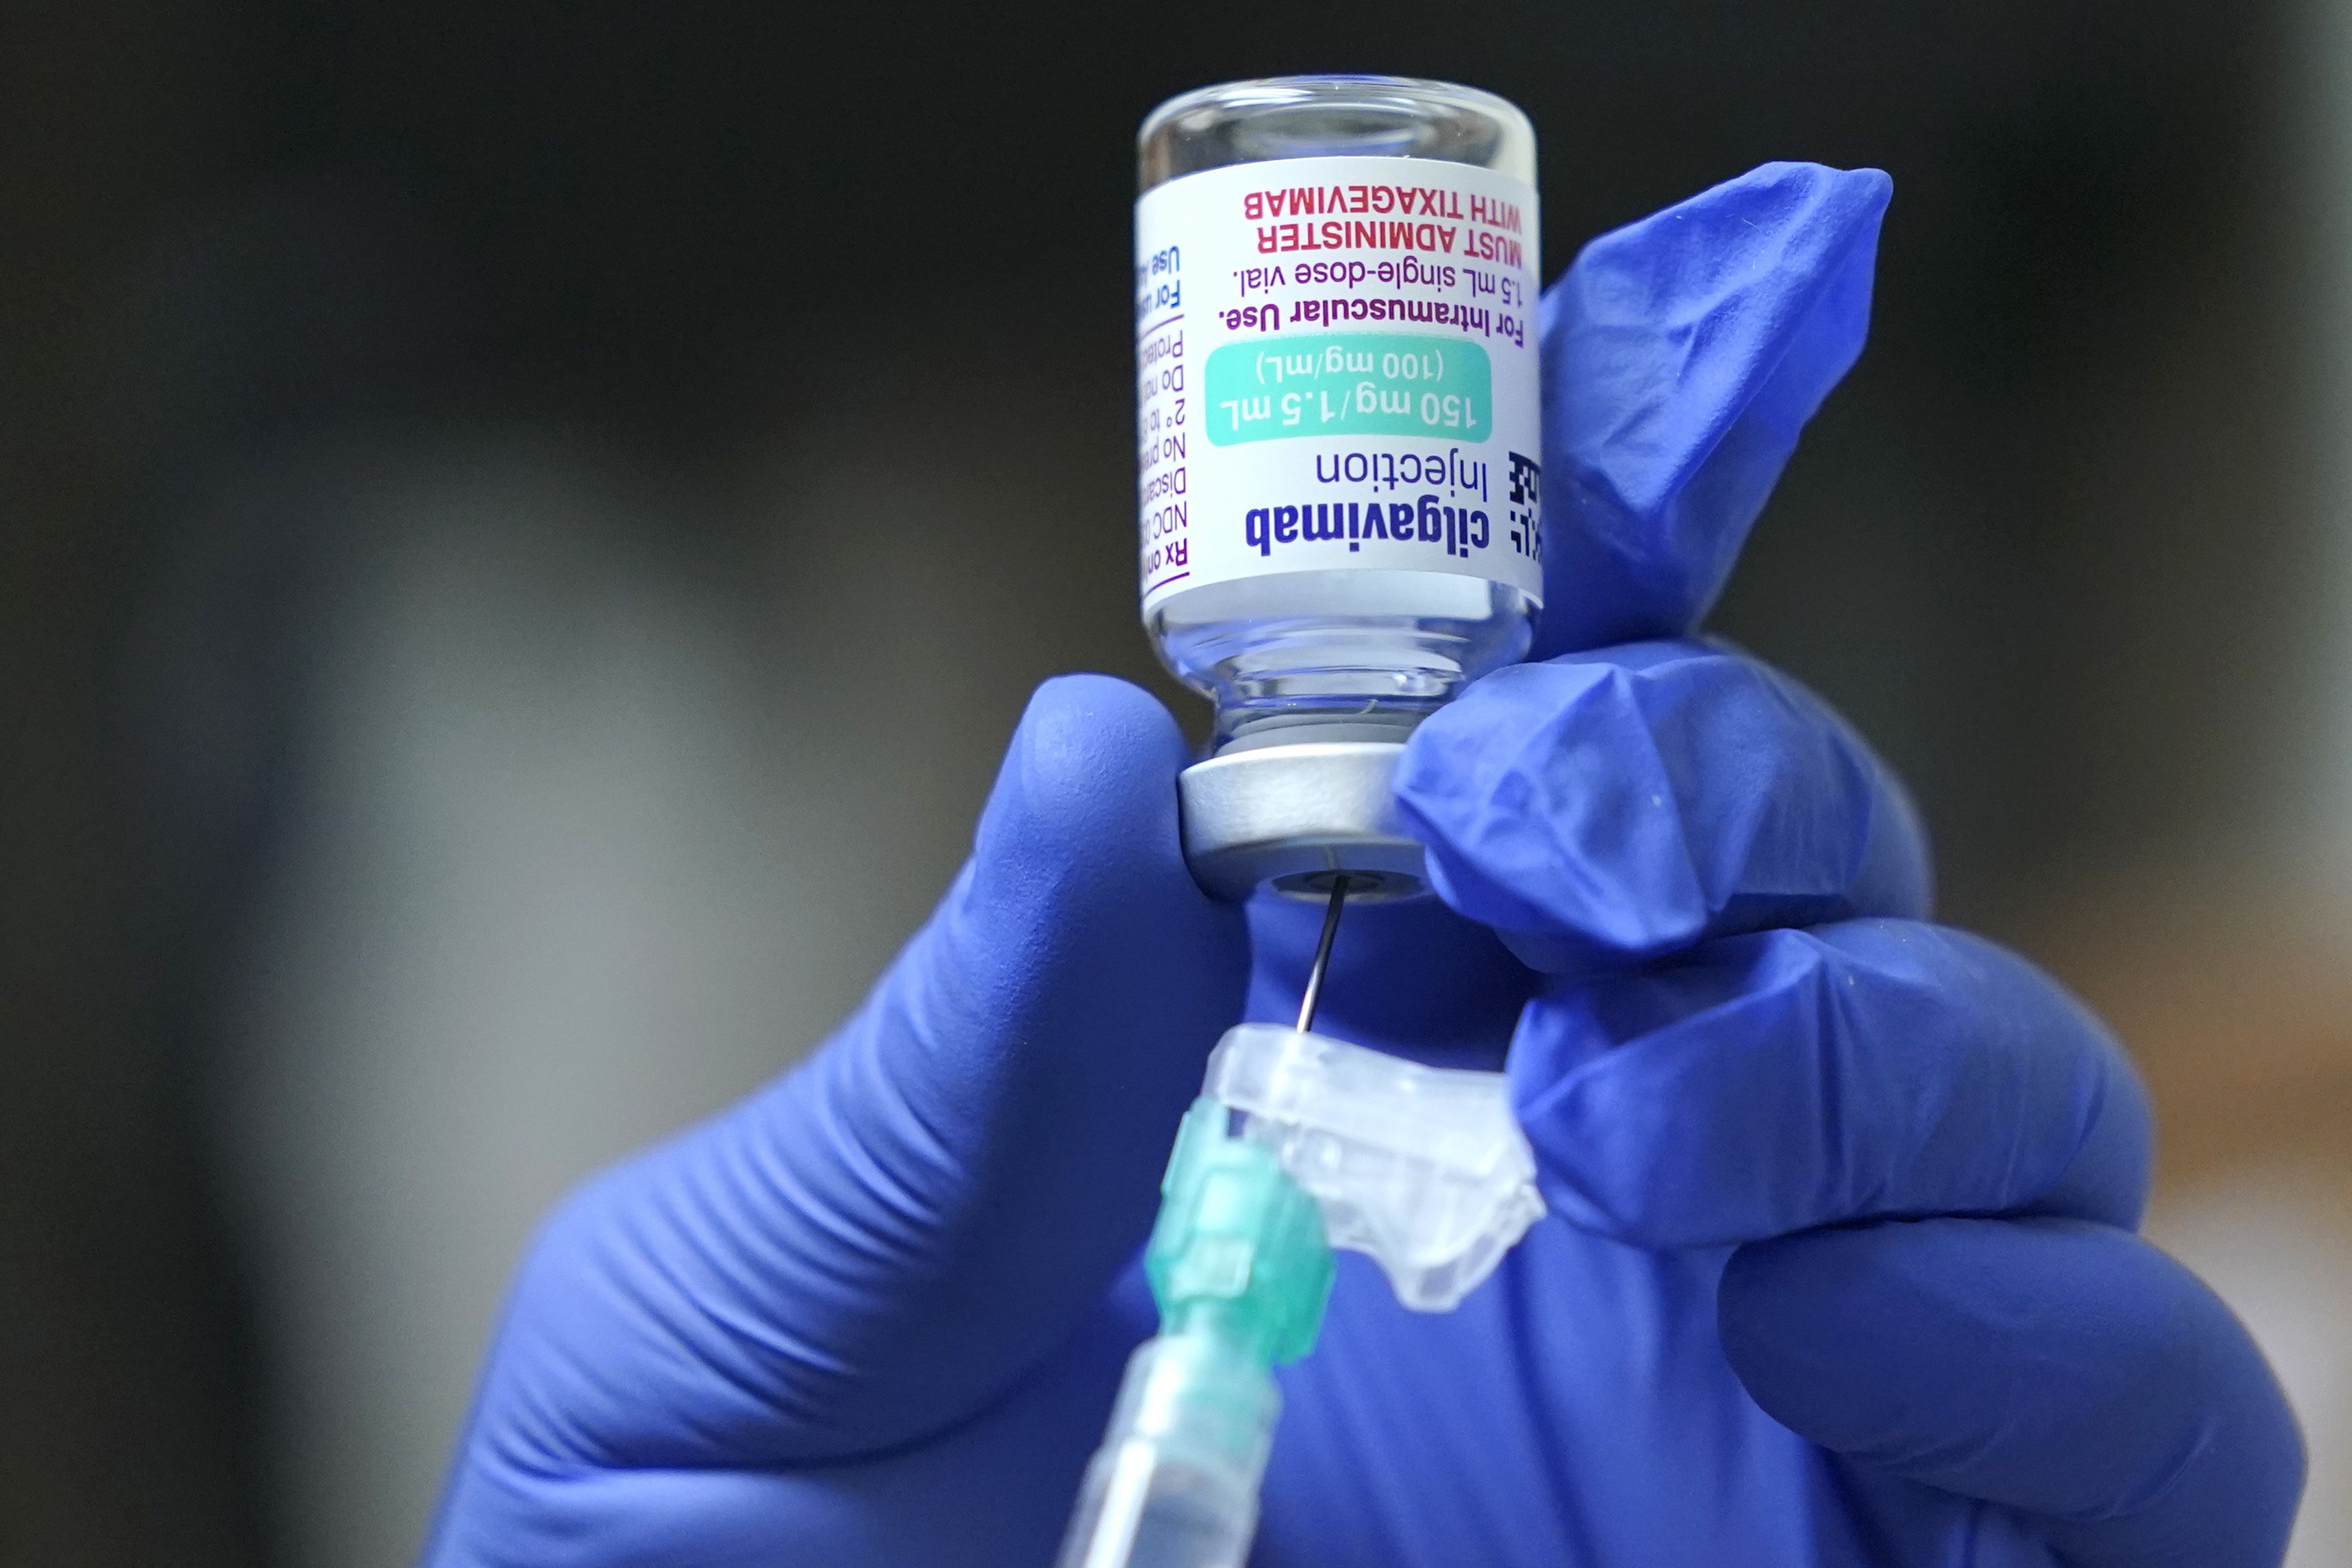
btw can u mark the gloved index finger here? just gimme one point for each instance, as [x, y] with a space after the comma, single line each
[1682, 354]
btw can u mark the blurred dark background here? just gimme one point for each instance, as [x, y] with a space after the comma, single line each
[526, 527]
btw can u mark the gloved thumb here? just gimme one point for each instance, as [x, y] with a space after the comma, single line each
[883, 1240]
[1682, 356]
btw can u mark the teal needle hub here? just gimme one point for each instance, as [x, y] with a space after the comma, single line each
[1241, 1271]
[1238, 1252]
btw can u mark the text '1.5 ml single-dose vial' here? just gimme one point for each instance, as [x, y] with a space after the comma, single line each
[1339, 422]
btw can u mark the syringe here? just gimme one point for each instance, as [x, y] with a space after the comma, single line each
[1240, 1266]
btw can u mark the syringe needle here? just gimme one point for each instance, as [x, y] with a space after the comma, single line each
[1322, 954]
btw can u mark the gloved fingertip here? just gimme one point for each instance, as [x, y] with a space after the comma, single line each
[1548, 815]
[1090, 775]
[1076, 724]
[1682, 353]
[1605, 809]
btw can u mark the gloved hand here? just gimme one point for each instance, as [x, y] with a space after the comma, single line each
[1840, 1268]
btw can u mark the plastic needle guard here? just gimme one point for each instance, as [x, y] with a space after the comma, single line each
[1424, 1168]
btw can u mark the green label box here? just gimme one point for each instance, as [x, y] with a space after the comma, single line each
[1349, 384]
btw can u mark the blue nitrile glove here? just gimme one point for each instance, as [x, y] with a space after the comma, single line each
[1839, 1269]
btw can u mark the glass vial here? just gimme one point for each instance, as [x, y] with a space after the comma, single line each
[1339, 420]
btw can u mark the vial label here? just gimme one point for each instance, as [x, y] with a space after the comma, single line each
[1337, 368]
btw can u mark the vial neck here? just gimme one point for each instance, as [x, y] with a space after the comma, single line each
[1249, 730]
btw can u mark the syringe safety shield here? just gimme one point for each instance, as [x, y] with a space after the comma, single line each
[1295, 817]
[1423, 1168]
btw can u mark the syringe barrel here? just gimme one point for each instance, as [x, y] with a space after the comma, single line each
[1175, 1482]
